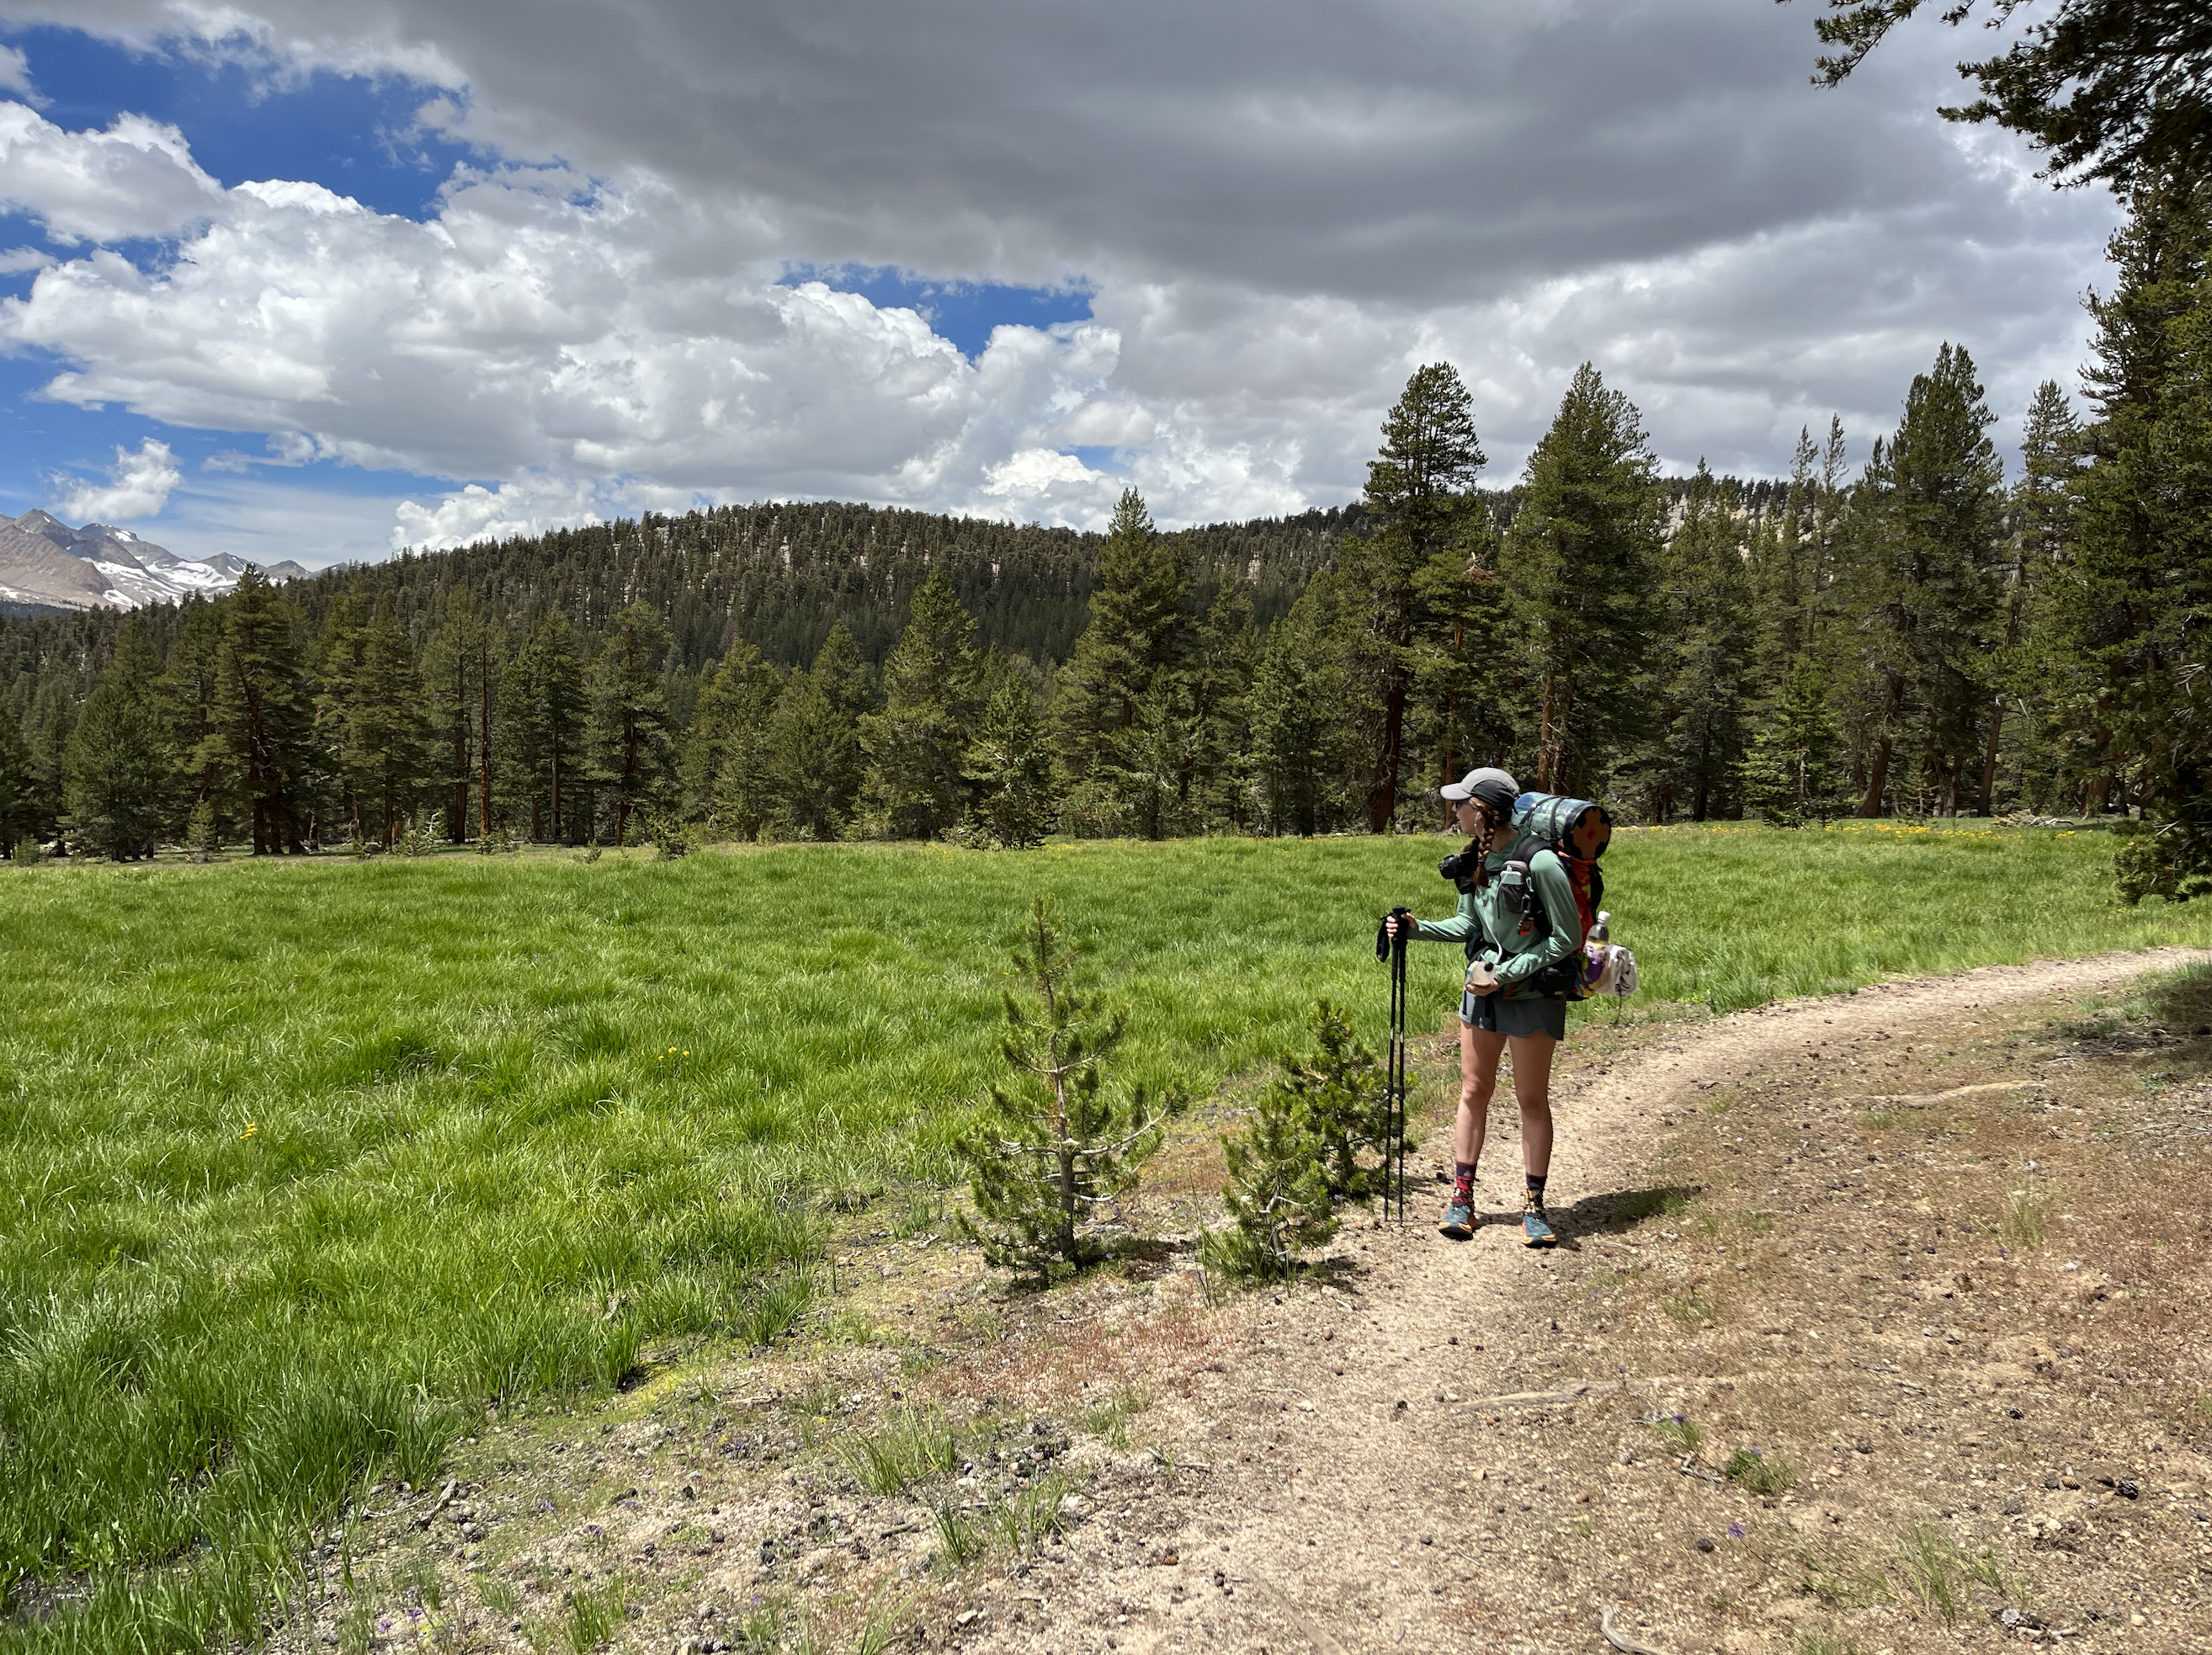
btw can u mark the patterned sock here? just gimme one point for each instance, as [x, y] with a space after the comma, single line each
[1464, 1186]
[1536, 1188]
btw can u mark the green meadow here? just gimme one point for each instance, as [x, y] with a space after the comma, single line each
[303, 1163]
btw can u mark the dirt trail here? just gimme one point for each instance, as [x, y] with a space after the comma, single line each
[1342, 1506]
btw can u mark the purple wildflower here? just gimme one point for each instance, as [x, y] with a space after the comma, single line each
[1735, 1531]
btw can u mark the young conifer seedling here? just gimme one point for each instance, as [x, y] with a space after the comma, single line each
[1058, 1143]
[1313, 1141]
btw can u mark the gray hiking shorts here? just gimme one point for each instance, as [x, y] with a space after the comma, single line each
[1514, 1019]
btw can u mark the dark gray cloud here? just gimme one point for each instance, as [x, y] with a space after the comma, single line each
[1283, 207]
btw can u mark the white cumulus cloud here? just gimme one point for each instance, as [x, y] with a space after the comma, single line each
[137, 178]
[528, 505]
[137, 485]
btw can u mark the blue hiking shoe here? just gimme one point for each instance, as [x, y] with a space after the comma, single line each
[1535, 1230]
[1459, 1218]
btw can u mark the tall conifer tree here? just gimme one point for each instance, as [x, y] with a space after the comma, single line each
[338, 661]
[2046, 688]
[1306, 777]
[2140, 583]
[16, 783]
[1419, 491]
[726, 759]
[264, 713]
[389, 743]
[1926, 521]
[1579, 562]
[632, 750]
[187, 694]
[917, 745]
[1705, 655]
[814, 759]
[1009, 767]
[115, 774]
[1139, 628]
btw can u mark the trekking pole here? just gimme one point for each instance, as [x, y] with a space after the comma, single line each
[1398, 1061]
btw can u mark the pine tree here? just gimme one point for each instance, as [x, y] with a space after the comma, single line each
[115, 776]
[1058, 1144]
[1927, 516]
[338, 661]
[1225, 653]
[631, 748]
[1313, 1141]
[1706, 655]
[1140, 628]
[545, 741]
[916, 745]
[1419, 492]
[1579, 562]
[2043, 683]
[1008, 767]
[14, 784]
[814, 761]
[460, 671]
[726, 769]
[1794, 771]
[389, 745]
[1782, 573]
[1304, 717]
[264, 715]
[2141, 579]
[845, 681]
[46, 733]
[187, 694]
[1461, 715]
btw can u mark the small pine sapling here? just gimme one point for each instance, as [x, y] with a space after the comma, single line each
[1058, 1144]
[1278, 1194]
[204, 833]
[1338, 1092]
[1314, 1141]
[422, 835]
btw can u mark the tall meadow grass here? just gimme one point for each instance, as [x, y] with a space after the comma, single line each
[303, 1163]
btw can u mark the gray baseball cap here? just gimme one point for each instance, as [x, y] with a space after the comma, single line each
[1493, 788]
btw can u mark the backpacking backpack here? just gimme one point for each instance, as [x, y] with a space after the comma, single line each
[1576, 831]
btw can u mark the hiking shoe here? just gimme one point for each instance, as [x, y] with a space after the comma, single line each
[1535, 1230]
[1459, 1219]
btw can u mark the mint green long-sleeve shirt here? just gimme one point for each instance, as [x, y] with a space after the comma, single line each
[1496, 935]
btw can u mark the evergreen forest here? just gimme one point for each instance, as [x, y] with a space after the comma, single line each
[1939, 628]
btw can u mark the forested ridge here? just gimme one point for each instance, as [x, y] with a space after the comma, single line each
[1919, 632]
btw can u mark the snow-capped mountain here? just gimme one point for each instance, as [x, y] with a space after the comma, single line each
[45, 564]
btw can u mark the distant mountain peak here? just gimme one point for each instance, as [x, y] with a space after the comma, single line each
[45, 564]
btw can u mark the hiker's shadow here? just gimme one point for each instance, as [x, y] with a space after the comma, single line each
[1617, 1210]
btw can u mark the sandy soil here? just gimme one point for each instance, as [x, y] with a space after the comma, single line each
[1378, 1474]
[1783, 1231]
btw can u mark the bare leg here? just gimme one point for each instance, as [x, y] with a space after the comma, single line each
[1479, 1051]
[1532, 1089]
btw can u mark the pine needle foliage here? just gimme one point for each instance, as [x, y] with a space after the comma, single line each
[1058, 1143]
[1312, 1143]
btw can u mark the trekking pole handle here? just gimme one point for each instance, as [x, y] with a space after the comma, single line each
[1385, 944]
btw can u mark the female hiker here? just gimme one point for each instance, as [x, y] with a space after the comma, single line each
[1500, 1007]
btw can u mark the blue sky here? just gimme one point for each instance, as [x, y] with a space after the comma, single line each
[359, 136]
[356, 136]
[612, 259]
